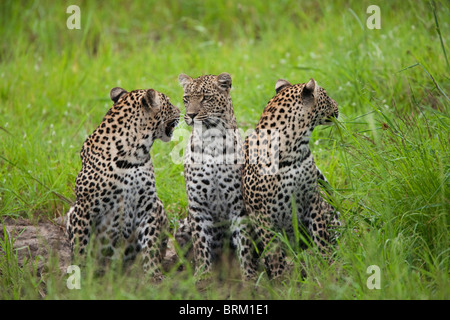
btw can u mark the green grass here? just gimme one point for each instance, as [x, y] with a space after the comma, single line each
[387, 158]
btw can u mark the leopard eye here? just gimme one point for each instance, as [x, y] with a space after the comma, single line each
[207, 97]
[185, 99]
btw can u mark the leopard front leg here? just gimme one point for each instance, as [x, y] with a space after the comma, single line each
[270, 247]
[201, 224]
[152, 237]
[316, 222]
[242, 238]
[78, 229]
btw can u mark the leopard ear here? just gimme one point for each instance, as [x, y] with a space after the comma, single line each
[224, 81]
[184, 80]
[309, 89]
[281, 84]
[116, 93]
[149, 100]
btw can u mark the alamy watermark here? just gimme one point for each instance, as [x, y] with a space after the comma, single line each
[215, 146]
[74, 20]
[74, 280]
[374, 280]
[374, 21]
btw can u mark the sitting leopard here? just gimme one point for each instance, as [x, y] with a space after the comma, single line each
[212, 169]
[279, 168]
[116, 197]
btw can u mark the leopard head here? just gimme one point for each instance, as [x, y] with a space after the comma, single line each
[307, 99]
[207, 100]
[160, 116]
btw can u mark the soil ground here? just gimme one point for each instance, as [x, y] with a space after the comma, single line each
[45, 239]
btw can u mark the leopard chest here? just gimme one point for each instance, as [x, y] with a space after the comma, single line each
[124, 197]
[214, 182]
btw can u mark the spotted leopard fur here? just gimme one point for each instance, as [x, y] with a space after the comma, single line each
[279, 168]
[212, 169]
[116, 198]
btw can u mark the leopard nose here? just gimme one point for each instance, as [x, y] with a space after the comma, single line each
[192, 115]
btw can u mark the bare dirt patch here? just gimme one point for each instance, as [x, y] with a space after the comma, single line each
[37, 242]
[41, 241]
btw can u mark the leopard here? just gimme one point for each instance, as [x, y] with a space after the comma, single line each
[280, 175]
[116, 200]
[212, 171]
